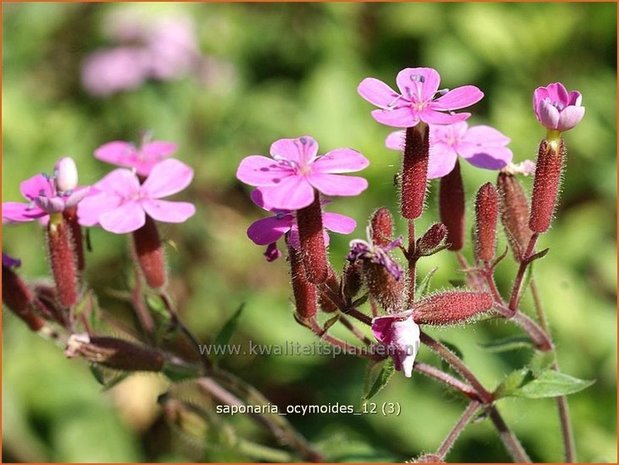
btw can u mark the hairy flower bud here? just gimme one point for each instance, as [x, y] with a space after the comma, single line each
[150, 254]
[18, 297]
[305, 294]
[383, 286]
[114, 353]
[70, 216]
[62, 260]
[451, 307]
[546, 184]
[312, 242]
[415, 170]
[381, 224]
[325, 302]
[451, 207]
[486, 217]
[352, 280]
[431, 240]
[514, 214]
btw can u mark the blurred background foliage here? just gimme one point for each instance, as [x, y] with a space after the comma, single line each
[284, 70]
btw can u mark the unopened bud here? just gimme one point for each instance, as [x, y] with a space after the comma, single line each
[451, 307]
[451, 207]
[486, 217]
[514, 214]
[114, 353]
[312, 242]
[383, 286]
[352, 280]
[305, 294]
[546, 184]
[381, 224]
[18, 297]
[66, 174]
[431, 240]
[415, 171]
[62, 260]
[150, 254]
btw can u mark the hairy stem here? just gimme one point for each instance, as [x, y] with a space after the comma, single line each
[514, 300]
[463, 421]
[511, 442]
[412, 264]
[446, 378]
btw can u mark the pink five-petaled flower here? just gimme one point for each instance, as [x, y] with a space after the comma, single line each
[288, 179]
[556, 108]
[45, 195]
[118, 203]
[482, 146]
[417, 100]
[401, 337]
[142, 159]
[267, 231]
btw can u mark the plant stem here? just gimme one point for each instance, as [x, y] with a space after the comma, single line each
[514, 300]
[511, 442]
[336, 342]
[435, 373]
[463, 421]
[354, 330]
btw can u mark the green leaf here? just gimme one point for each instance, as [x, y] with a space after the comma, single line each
[511, 383]
[424, 285]
[507, 344]
[552, 384]
[540, 362]
[330, 322]
[226, 332]
[374, 384]
[107, 377]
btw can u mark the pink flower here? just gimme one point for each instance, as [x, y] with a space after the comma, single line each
[288, 179]
[556, 108]
[109, 71]
[482, 146]
[417, 101]
[401, 337]
[267, 231]
[143, 159]
[118, 203]
[44, 195]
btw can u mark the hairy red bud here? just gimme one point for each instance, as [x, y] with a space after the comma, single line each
[150, 254]
[514, 214]
[546, 184]
[431, 240]
[305, 294]
[18, 297]
[451, 207]
[451, 307]
[381, 223]
[486, 217]
[62, 260]
[311, 237]
[325, 302]
[115, 353]
[415, 170]
[352, 280]
[383, 286]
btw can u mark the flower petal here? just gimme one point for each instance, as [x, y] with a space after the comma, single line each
[381, 328]
[442, 160]
[301, 150]
[490, 158]
[418, 84]
[166, 178]
[168, 212]
[335, 184]
[570, 117]
[93, 206]
[258, 170]
[460, 97]
[292, 193]
[485, 135]
[268, 230]
[123, 219]
[117, 152]
[403, 117]
[37, 185]
[121, 182]
[377, 92]
[338, 223]
[17, 212]
[547, 114]
[158, 149]
[431, 116]
[340, 161]
[395, 140]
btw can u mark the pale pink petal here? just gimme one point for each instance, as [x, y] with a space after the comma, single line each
[338, 223]
[539, 94]
[377, 92]
[166, 178]
[123, 219]
[93, 206]
[442, 160]
[406, 341]
[301, 150]
[117, 152]
[418, 84]
[570, 117]
[548, 114]
[431, 116]
[575, 98]
[395, 140]
[36, 186]
[460, 97]
[168, 212]
[335, 184]
[121, 182]
[340, 161]
[292, 193]
[268, 230]
[558, 93]
[485, 135]
[158, 149]
[403, 117]
[17, 212]
[257, 170]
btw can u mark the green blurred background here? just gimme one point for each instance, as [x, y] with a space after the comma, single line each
[288, 70]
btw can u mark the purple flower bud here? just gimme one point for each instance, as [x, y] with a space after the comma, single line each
[556, 108]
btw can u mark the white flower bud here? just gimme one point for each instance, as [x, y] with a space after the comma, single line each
[66, 174]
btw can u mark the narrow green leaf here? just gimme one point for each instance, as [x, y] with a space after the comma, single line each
[511, 383]
[552, 384]
[226, 332]
[424, 285]
[507, 344]
[374, 384]
[330, 322]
